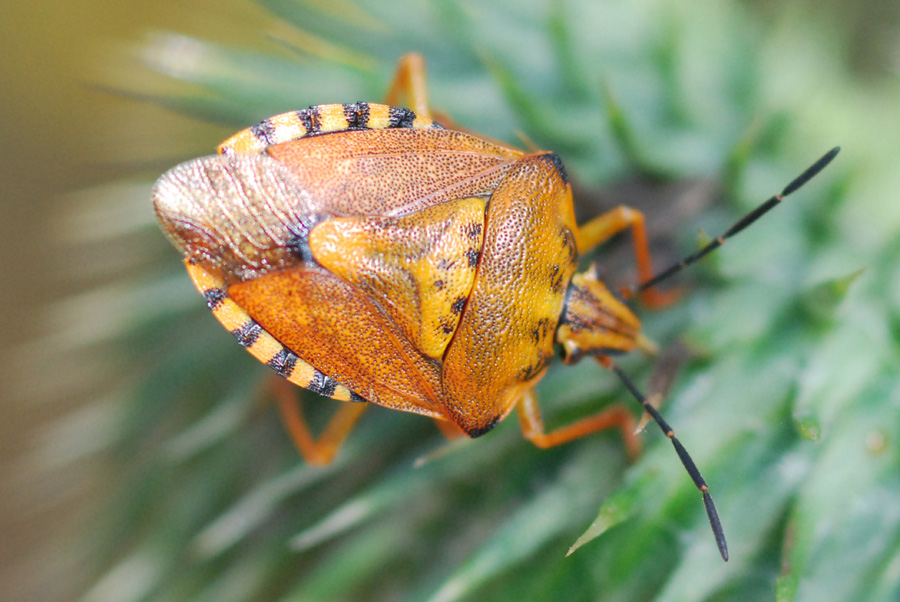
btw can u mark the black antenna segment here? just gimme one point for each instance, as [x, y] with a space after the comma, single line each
[683, 455]
[743, 222]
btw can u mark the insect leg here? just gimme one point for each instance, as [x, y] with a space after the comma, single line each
[319, 451]
[410, 83]
[615, 416]
[611, 223]
[410, 89]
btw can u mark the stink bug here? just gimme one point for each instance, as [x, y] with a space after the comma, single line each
[368, 254]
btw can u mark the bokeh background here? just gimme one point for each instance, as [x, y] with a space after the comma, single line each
[105, 415]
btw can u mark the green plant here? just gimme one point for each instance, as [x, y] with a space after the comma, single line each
[791, 408]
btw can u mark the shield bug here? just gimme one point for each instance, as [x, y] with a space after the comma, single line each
[371, 255]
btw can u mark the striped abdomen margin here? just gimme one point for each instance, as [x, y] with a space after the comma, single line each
[322, 119]
[262, 345]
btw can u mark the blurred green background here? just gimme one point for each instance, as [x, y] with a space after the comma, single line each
[135, 464]
[62, 134]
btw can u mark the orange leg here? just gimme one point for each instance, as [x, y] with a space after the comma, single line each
[409, 83]
[319, 451]
[410, 89]
[612, 222]
[613, 416]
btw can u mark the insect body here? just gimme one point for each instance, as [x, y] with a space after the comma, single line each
[411, 266]
[368, 254]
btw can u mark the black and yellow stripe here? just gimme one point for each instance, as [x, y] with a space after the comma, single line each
[262, 345]
[322, 119]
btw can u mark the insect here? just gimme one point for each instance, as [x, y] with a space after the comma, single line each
[371, 255]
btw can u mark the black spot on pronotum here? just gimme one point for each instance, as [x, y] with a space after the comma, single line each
[541, 330]
[556, 279]
[283, 363]
[439, 284]
[557, 163]
[529, 372]
[567, 242]
[214, 297]
[247, 334]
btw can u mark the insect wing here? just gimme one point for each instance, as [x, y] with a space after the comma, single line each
[393, 172]
[344, 334]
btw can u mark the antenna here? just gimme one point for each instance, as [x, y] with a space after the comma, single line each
[683, 454]
[743, 222]
[717, 242]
